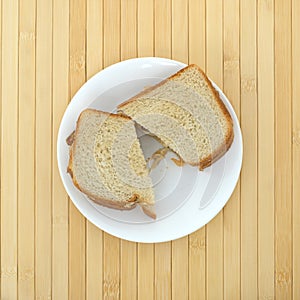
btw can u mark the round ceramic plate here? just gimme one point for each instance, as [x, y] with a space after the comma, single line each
[186, 199]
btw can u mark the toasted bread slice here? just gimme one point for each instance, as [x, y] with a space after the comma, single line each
[186, 114]
[107, 164]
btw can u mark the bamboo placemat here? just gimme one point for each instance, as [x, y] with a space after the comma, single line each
[251, 49]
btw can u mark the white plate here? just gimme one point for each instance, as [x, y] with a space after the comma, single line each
[186, 198]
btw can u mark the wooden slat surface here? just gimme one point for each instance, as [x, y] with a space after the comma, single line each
[250, 250]
[296, 148]
[266, 145]
[26, 151]
[43, 153]
[283, 150]
[60, 202]
[248, 67]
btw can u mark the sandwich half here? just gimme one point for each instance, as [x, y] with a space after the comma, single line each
[107, 164]
[186, 114]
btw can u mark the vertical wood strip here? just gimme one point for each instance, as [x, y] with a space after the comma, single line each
[249, 172]
[214, 229]
[296, 146]
[145, 30]
[265, 90]
[180, 32]
[94, 257]
[197, 32]
[0, 135]
[197, 240]
[111, 267]
[128, 29]
[197, 265]
[129, 278]
[145, 271]
[60, 89]
[145, 254]
[163, 19]
[162, 275]
[283, 149]
[94, 236]
[9, 149]
[26, 150]
[43, 154]
[162, 48]
[180, 52]
[130, 283]
[94, 38]
[231, 71]
[180, 258]
[77, 251]
[111, 246]
[214, 41]
[112, 31]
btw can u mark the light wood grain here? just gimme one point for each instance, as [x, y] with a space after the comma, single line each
[94, 63]
[60, 202]
[94, 37]
[180, 31]
[162, 19]
[250, 250]
[145, 30]
[26, 151]
[232, 252]
[0, 136]
[266, 184]
[283, 151]
[128, 29]
[197, 32]
[130, 284]
[9, 150]
[197, 265]
[145, 271]
[249, 171]
[111, 267]
[296, 147]
[43, 153]
[162, 277]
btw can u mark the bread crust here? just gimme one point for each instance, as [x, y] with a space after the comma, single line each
[207, 161]
[120, 205]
